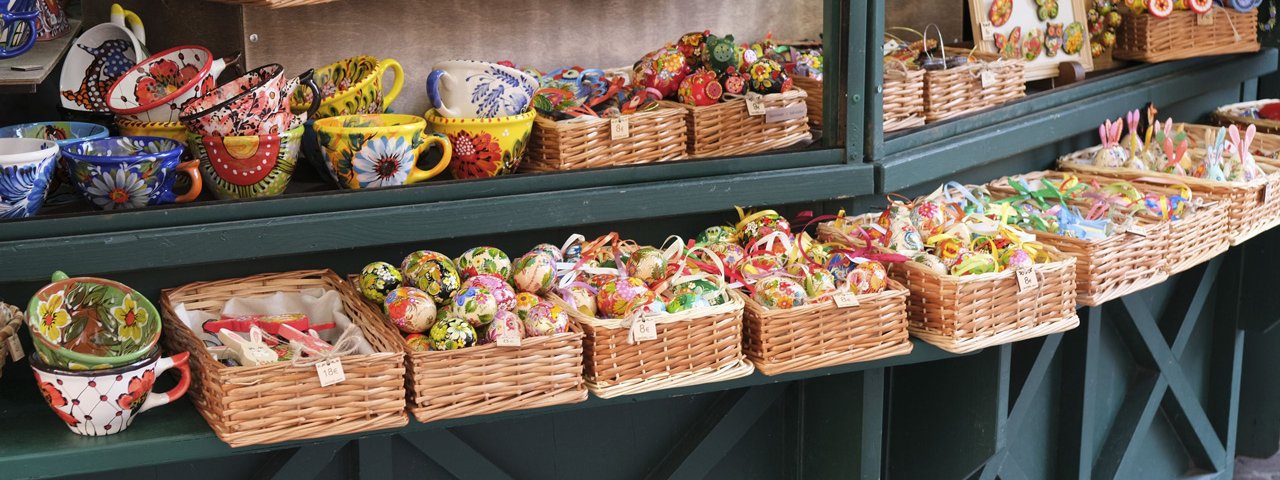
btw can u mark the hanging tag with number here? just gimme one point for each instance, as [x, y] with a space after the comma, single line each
[1206, 19]
[330, 372]
[988, 78]
[845, 299]
[755, 104]
[1138, 230]
[509, 339]
[619, 128]
[988, 31]
[1265, 194]
[643, 330]
[1026, 278]
[15, 347]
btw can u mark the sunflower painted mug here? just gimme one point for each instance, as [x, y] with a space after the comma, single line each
[379, 150]
[351, 86]
[103, 402]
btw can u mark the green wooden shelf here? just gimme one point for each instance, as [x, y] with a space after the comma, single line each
[33, 442]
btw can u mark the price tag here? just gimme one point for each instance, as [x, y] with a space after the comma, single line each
[988, 31]
[988, 77]
[643, 330]
[619, 128]
[1206, 19]
[845, 299]
[15, 347]
[794, 112]
[509, 339]
[330, 372]
[1265, 193]
[1138, 230]
[755, 104]
[1026, 278]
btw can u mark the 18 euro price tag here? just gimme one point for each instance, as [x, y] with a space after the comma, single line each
[330, 372]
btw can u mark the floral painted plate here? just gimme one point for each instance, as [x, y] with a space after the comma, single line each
[88, 323]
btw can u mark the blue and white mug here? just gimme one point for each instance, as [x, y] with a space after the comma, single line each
[471, 89]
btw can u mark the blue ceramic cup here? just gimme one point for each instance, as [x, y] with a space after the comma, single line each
[25, 167]
[129, 172]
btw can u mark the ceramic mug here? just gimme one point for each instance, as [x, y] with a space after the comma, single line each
[62, 133]
[129, 172]
[247, 166]
[351, 86]
[484, 147]
[23, 184]
[381, 150]
[99, 57]
[470, 89]
[175, 131]
[89, 323]
[17, 27]
[155, 89]
[256, 103]
[103, 402]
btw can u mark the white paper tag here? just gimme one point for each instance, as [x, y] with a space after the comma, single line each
[330, 372]
[988, 78]
[15, 347]
[619, 128]
[1026, 278]
[794, 112]
[845, 299]
[643, 330]
[755, 104]
[509, 339]
[1206, 19]
[1138, 230]
[1266, 193]
[988, 31]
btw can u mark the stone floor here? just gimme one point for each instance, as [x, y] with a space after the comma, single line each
[1258, 468]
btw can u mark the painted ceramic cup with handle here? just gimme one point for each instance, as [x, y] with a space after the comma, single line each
[382, 150]
[247, 166]
[103, 402]
[351, 86]
[62, 133]
[99, 57]
[23, 184]
[484, 147]
[155, 89]
[17, 27]
[470, 89]
[89, 323]
[256, 103]
[129, 172]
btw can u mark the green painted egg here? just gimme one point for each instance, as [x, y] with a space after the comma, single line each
[451, 334]
[534, 272]
[377, 279]
[718, 234]
[431, 272]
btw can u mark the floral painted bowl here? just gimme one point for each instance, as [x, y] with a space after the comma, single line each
[380, 150]
[21, 151]
[351, 86]
[247, 166]
[256, 103]
[484, 147]
[155, 89]
[103, 402]
[23, 185]
[88, 323]
[129, 172]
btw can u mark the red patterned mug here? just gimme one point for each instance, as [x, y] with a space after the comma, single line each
[103, 402]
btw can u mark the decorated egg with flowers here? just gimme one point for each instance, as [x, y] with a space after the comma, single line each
[480, 260]
[840, 264]
[621, 297]
[694, 46]
[761, 264]
[718, 234]
[582, 298]
[818, 282]
[974, 263]
[647, 264]
[779, 292]
[549, 250]
[502, 292]
[701, 287]
[598, 280]
[525, 302]
[765, 76]
[759, 225]
[721, 54]
[734, 84]
[656, 307]
[573, 251]
[931, 261]
[410, 310]
[949, 250]
[475, 304]
[431, 272]
[867, 277]
[534, 272]
[688, 301]
[418, 342]
[1015, 257]
[452, 333]
[377, 279]
[928, 217]
[662, 71]
[700, 88]
[731, 254]
[544, 319]
[504, 322]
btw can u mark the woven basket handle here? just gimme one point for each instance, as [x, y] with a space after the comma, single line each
[942, 44]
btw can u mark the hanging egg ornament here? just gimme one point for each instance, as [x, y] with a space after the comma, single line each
[377, 279]
[503, 294]
[410, 310]
[431, 272]
[525, 302]
[549, 250]
[716, 234]
[868, 277]
[598, 280]
[761, 264]
[452, 333]
[779, 292]
[693, 46]
[545, 319]
[700, 88]
[731, 254]
[503, 323]
[664, 71]
[621, 297]
[534, 272]
[1014, 258]
[418, 342]
[647, 264]
[572, 252]
[720, 55]
[931, 261]
[949, 249]
[481, 260]
[762, 224]
[476, 305]
[819, 282]
[687, 301]
[766, 76]
[583, 299]
[701, 287]
[840, 264]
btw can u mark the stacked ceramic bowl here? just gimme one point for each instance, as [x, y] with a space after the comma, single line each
[486, 112]
[26, 166]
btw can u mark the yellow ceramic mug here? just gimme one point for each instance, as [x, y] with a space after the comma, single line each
[351, 86]
[485, 147]
[378, 150]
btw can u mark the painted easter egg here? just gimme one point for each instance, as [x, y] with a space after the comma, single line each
[761, 264]
[534, 272]
[765, 76]
[418, 342]
[544, 319]
[731, 254]
[701, 287]
[700, 88]
[504, 322]
[928, 217]
[583, 299]
[948, 250]
[687, 301]
[452, 333]
[476, 305]
[819, 282]
[647, 264]
[549, 250]
[733, 84]
[598, 280]
[480, 260]
[377, 279]
[693, 46]
[816, 253]
[1015, 257]
[717, 234]
[931, 261]
[525, 302]
[762, 225]
[572, 252]
[974, 263]
[410, 310]
[840, 264]
[721, 54]
[431, 272]
[502, 292]
[662, 71]
[779, 292]
[621, 297]
[867, 277]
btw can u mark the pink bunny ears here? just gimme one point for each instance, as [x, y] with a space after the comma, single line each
[1242, 146]
[1110, 132]
[1133, 118]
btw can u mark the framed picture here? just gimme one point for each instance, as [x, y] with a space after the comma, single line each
[1043, 33]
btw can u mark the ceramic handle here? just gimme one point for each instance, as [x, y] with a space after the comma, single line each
[396, 84]
[192, 169]
[418, 175]
[178, 361]
[217, 66]
[120, 16]
[433, 91]
[309, 81]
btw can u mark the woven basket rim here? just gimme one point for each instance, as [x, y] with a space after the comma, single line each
[734, 303]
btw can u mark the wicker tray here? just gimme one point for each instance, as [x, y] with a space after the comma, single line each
[1234, 114]
[655, 136]
[694, 347]
[252, 405]
[822, 334]
[1112, 267]
[957, 91]
[903, 98]
[726, 129]
[11, 320]
[962, 314]
[1249, 210]
[812, 88]
[485, 379]
[1146, 38]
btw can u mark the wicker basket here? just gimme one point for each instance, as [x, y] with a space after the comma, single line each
[822, 334]
[655, 136]
[251, 405]
[11, 320]
[812, 88]
[726, 129]
[957, 91]
[1250, 210]
[1112, 267]
[693, 347]
[903, 98]
[963, 314]
[1146, 38]
[1235, 114]
[485, 379]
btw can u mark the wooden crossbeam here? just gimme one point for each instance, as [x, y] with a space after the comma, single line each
[1002, 464]
[708, 440]
[301, 462]
[454, 455]
[374, 457]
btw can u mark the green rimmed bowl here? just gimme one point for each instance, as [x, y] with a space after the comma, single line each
[88, 323]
